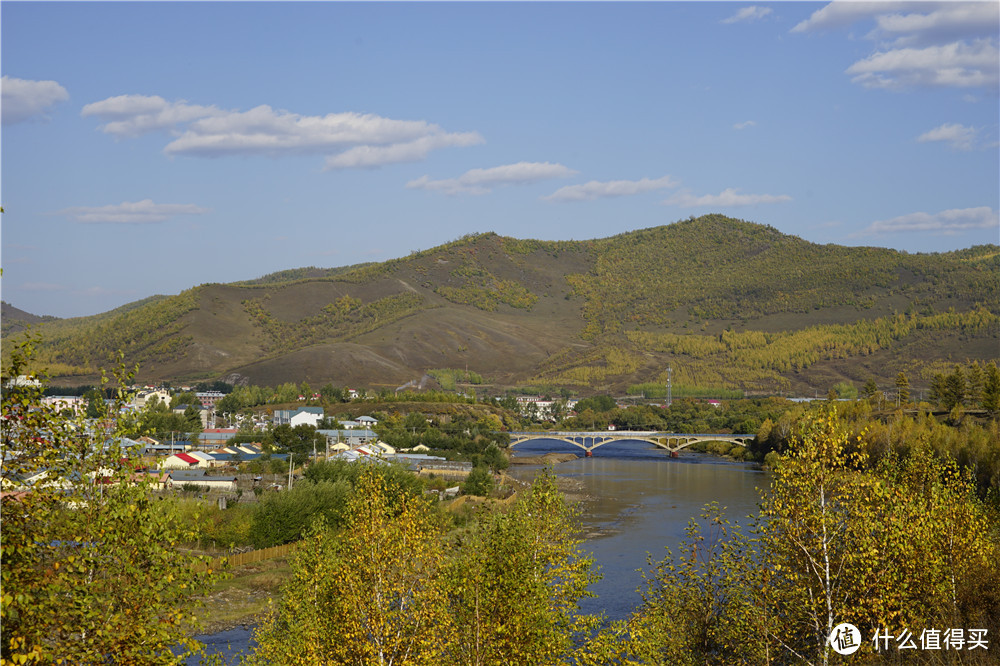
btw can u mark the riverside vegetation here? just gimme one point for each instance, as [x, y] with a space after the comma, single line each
[879, 517]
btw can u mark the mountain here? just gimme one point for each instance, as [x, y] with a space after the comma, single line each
[15, 320]
[724, 303]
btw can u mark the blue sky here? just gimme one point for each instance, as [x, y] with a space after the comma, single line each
[151, 147]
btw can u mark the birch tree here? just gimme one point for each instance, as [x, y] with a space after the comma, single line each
[371, 593]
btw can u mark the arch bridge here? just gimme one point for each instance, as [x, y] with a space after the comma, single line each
[588, 441]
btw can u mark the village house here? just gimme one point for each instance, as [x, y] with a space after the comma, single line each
[77, 404]
[179, 478]
[181, 461]
[214, 437]
[208, 399]
[301, 416]
[361, 422]
[144, 397]
[351, 438]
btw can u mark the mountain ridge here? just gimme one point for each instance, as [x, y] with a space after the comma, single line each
[600, 314]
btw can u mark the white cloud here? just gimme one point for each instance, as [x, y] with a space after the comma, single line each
[611, 188]
[951, 21]
[946, 222]
[938, 44]
[744, 125]
[843, 14]
[262, 130]
[959, 136]
[751, 13]
[133, 115]
[368, 156]
[21, 99]
[138, 212]
[481, 181]
[959, 64]
[350, 140]
[727, 198]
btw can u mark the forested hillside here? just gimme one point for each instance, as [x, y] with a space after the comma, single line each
[726, 304]
[15, 320]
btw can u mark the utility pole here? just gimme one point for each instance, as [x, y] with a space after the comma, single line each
[290, 471]
[670, 376]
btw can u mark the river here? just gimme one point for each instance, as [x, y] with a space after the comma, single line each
[635, 500]
[638, 500]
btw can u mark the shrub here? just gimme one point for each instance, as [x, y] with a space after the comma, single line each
[284, 517]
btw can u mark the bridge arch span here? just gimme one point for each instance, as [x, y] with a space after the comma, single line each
[667, 441]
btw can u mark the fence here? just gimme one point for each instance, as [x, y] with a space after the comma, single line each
[239, 559]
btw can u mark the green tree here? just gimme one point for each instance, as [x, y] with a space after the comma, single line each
[284, 517]
[184, 398]
[597, 403]
[300, 441]
[330, 393]
[991, 388]
[479, 482]
[494, 458]
[955, 389]
[975, 383]
[95, 404]
[845, 390]
[90, 566]
[903, 388]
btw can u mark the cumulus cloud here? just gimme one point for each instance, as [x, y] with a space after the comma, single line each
[843, 14]
[138, 212]
[959, 65]
[946, 222]
[133, 115]
[958, 136]
[21, 99]
[744, 125]
[751, 13]
[947, 22]
[727, 198]
[952, 44]
[611, 188]
[348, 139]
[482, 181]
[369, 156]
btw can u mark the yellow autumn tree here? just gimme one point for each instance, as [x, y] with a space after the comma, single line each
[885, 549]
[91, 570]
[369, 594]
[902, 545]
[516, 581]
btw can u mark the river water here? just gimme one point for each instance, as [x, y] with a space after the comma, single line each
[639, 501]
[635, 500]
